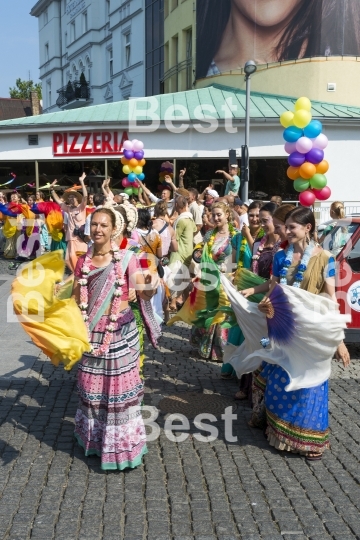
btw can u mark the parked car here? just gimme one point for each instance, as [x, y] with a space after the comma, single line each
[343, 241]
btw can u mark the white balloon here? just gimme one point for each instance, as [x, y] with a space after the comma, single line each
[304, 145]
[138, 145]
[320, 142]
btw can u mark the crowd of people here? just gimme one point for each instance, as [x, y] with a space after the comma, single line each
[134, 263]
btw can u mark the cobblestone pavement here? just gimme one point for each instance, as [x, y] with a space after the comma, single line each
[189, 490]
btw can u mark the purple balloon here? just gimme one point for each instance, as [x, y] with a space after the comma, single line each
[290, 147]
[315, 156]
[139, 155]
[296, 159]
[129, 154]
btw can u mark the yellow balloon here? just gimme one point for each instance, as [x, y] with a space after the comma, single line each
[287, 119]
[126, 169]
[302, 118]
[303, 103]
[138, 170]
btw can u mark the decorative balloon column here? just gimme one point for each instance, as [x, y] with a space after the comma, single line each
[133, 162]
[306, 143]
[167, 169]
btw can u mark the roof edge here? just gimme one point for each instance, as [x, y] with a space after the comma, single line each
[276, 96]
[40, 6]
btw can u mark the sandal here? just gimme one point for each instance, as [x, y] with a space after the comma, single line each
[313, 456]
[239, 396]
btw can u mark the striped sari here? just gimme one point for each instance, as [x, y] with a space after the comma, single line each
[108, 421]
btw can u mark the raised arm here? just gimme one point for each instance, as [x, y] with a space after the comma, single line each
[171, 183]
[83, 187]
[226, 175]
[53, 193]
[105, 187]
[181, 177]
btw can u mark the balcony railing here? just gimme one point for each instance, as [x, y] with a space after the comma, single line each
[74, 91]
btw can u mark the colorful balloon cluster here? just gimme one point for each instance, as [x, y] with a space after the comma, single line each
[167, 169]
[133, 162]
[306, 143]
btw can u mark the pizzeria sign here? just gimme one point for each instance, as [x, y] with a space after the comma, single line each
[88, 143]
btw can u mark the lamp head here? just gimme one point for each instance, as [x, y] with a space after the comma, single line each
[250, 67]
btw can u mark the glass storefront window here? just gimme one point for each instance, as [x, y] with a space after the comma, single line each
[24, 172]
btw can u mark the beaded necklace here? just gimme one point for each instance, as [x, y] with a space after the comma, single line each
[301, 269]
[232, 232]
[243, 245]
[115, 304]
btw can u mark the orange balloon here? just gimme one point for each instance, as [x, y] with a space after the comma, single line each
[293, 173]
[142, 162]
[133, 163]
[307, 170]
[322, 167]
[124, 161]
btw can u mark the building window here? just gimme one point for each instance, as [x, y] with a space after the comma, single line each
[88, 70]
[107, 8]
[46, 52]
[111, 66]
[189, 74]
[46, 17]
[174, 4]
[72, 31]
[49, 93]
[66, 39]
[154, 46]
[127, 49]
[175, 55]
[85, 22]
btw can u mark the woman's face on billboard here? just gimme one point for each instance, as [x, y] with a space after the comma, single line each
[267, 12]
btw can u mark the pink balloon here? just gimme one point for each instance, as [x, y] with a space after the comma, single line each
[290, 147]
[322, 194]
[126, 183]
[303, 145]
[128, 145]
[138, 145]
[135, 184]
[321, 141]
[307, 198]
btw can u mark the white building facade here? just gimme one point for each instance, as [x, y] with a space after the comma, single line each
[91, 51]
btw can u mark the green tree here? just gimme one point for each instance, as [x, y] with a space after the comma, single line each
[23, 88]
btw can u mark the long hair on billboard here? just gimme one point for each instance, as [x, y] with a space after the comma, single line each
[317, 28]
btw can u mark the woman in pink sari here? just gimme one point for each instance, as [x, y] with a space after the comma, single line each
[108, 422]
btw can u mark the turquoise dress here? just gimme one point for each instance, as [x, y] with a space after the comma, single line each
[235, 336]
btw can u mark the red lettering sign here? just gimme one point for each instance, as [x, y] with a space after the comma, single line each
[90, 143]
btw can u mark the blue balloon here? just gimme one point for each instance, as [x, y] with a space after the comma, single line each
[313, 130]
[292, 134]
[141, 177]
[132, 177]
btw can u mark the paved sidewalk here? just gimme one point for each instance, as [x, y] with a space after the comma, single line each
[189, 490]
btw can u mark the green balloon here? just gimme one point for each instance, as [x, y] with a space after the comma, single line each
[135, 191]
[128, 191]
[318, 181]
[301, 185]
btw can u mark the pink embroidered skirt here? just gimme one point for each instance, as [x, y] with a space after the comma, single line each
[108, 420]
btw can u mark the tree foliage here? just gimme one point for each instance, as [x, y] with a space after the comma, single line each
[23, 88]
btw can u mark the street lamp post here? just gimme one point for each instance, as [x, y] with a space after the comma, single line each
[250, 68]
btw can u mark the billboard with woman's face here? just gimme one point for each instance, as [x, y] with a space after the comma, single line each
[231, 32]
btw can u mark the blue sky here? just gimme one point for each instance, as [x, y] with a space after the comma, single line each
[19, 43]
